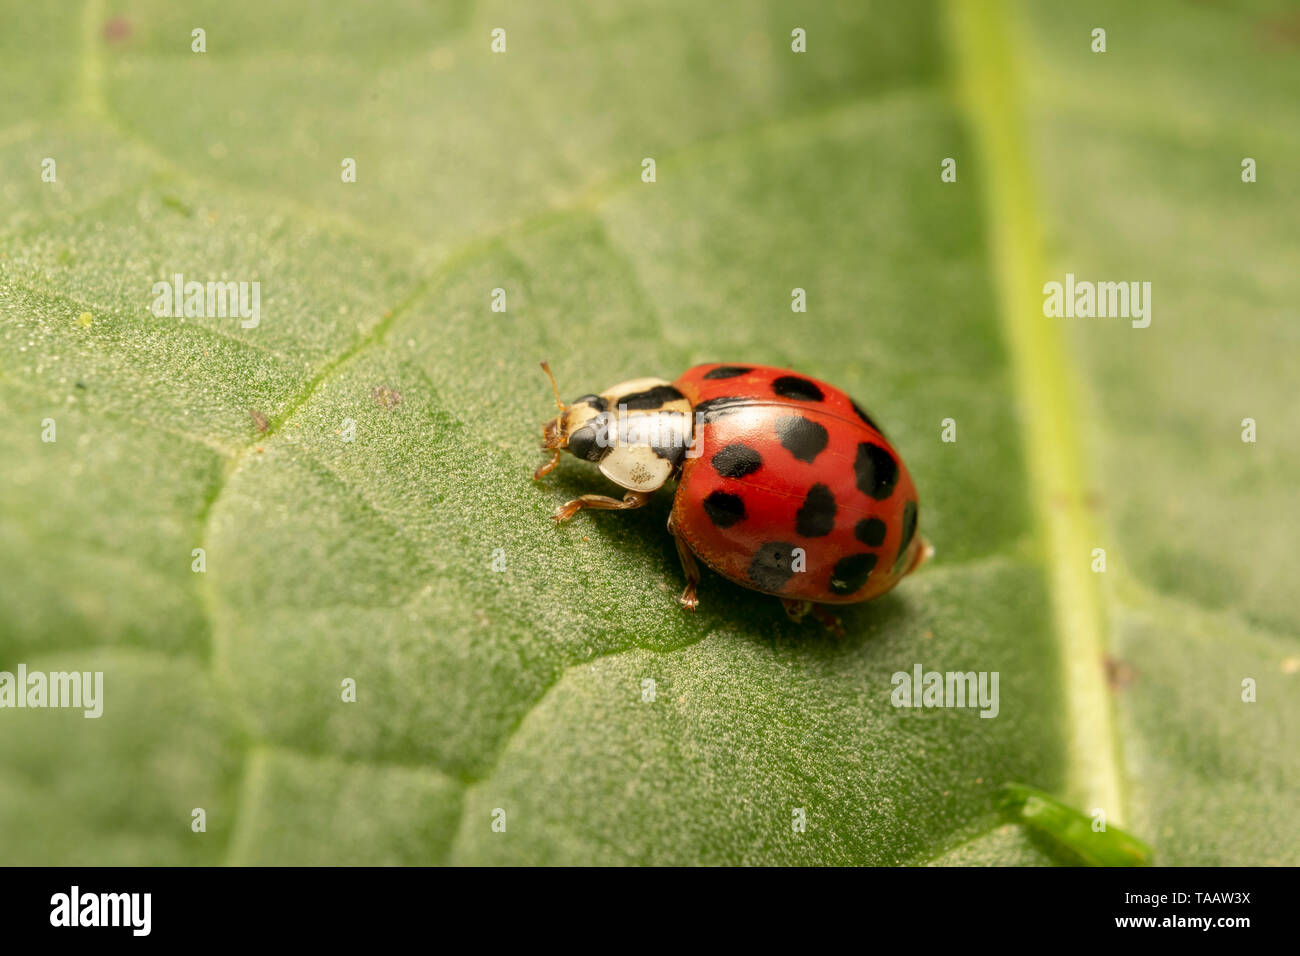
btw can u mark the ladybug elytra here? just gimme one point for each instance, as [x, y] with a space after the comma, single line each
[784, 484]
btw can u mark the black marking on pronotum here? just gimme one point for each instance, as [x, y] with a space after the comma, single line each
[801, 437]
[727, 371]
[715, 408]
[909, 531]
[724, 509]
[661, 432]
[595, 401]
[870, 531]
[772, 565]
[862, 414]
[655, 397]
[585, 444]
[816, 516]
[849, 574]
[670, 453]
[736, 461]
[876, 470]
[800, 389]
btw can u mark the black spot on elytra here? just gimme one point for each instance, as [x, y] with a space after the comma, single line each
[772, 566]
[583, 442]
[800, 389]
[655, 397]
[801, 437]
[876, 470]
[862, 414]
[595, 401]
[715, 408]
[727, 371]
[736, 461]
[909, 531]
[724, 509]
[870, 531]
[816, 516]
[849, 574]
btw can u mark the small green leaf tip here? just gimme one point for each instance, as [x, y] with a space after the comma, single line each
[1088, 837]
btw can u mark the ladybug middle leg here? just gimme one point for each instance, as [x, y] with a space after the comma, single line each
[633, 499]
[690, 568]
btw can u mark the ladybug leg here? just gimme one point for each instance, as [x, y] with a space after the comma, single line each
[633, 499]
[828, 620]
[797, 610]
[545, 469]
[689, 568]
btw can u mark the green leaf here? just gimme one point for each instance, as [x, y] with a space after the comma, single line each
[521, 695]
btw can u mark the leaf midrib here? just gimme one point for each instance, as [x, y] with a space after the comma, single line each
[988, 87]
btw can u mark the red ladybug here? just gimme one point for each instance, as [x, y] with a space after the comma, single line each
[784, 484]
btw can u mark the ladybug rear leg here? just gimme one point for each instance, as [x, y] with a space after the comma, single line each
[797, 609]
[688, 600]
[633, 499]
[828, 620]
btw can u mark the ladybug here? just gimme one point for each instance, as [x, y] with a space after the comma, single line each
[784, 484]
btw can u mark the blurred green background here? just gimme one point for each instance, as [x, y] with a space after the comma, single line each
[522, 690]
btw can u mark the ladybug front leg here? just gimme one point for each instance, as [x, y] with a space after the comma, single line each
[688, 600]
[633, 499]
[546, 468]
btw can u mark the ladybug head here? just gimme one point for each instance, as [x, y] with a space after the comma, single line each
[636, 431]
[572, 430]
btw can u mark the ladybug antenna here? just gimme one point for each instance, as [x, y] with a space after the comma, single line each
[553, 436]
[546, 367]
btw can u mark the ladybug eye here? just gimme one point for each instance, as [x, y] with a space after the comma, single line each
[582, 443]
